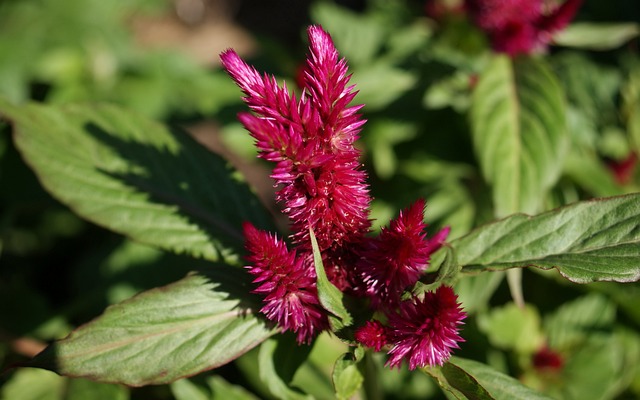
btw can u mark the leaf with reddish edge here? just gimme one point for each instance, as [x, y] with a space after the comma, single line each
[199, 323]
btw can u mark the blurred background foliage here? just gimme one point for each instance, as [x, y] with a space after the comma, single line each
[415, 64]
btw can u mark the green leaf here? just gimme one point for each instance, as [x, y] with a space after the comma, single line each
[330, 296]
[458, 382]
[198, 323]
[347, 378]
[596, 36]
[136, 177]
[462, 373]
[511, 327]
[596, 240]
[270, 376]
[519, 131]
[184, 389]
[223, 390]
[38, 384]
[573, 322]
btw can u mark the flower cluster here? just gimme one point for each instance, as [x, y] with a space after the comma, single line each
[322, 188]
[521, 26]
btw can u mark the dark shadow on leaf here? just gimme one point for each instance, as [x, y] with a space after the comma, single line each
[200, 184]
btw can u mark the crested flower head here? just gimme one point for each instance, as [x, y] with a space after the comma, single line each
[287, 283]
[372, 334]
[521, 26]
[322, 188]
[398, 257]
[424, 331]
[311, 142]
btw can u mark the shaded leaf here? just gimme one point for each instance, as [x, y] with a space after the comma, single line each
[596, 240]
[519, 132]
[491, 382]
[458, 383]
[136, 177]
[270, 377]
[198, 323]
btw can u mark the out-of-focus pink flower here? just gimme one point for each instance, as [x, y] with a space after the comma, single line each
[623, 170]
[311, 140]
[398, 257]
[288, 284]
[425, 331]
[547, 359]
[521, 26]
[372, 334]
[441, 9]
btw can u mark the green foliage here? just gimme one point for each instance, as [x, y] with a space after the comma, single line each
[595, 240]
[211, 312]
[538, 141]
[136, 177]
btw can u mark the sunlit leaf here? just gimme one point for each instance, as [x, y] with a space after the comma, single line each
[596, 36]
[596, 240]
[198, 323]
[519, 131]
[136, 177]
[331, 298]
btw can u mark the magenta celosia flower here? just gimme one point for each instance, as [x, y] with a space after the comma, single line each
[521, 26]
[288, 284]
[323, 188]
[424, 331]
[398, 257]
[372, 334]
[311, 140]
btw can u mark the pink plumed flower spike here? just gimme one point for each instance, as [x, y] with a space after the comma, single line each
[521, 26]
[372, 334]
[311, 141]
[287, 284]
[398, 257]
[425, 331]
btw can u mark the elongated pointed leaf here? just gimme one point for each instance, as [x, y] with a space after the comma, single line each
[164, 334]
[597, 240]
[519, 132]
[331, 298]
[136, 177]
[479, 381]
[596, 36]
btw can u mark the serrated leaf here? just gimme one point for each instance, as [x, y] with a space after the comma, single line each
[519, 132]
[198, 323]
[136, 177]
[495, 384]
[596, 240]
[330, 296]
[596, 36]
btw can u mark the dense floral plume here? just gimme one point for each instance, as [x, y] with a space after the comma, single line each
[425, 331]
[323, 188]
[398, 257]
[521, 26]
[288, 284]
[311, 140]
